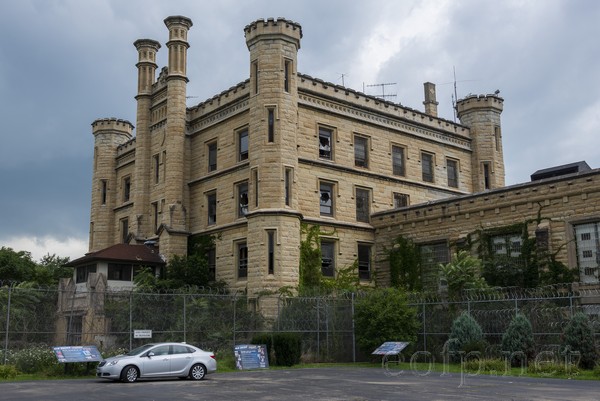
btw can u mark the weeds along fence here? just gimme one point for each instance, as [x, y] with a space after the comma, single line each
[216, 321]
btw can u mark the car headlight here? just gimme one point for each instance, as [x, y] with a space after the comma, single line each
[112, 363]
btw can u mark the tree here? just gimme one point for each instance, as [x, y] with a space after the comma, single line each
[518, 340]
[16, 266]
[51, 269]
[384, 315]
[463, 273]
[465, 335]
[578, 335]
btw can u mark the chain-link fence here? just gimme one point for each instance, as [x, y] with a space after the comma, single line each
[216, 321]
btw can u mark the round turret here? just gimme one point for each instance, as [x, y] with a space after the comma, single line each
[482, 115]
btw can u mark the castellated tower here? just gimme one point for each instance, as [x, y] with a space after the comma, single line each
[146, 65]
[482, 115]
[109, 134]
[273, 220]
[176, 192]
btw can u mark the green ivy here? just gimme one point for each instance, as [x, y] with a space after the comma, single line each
[311, 277]
[405, 265]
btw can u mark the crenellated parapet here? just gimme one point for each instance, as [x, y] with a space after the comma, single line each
[112, 125]
[491, 101]
[273, 27]
[314, 90]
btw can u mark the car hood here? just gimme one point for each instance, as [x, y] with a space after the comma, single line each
[119, 358]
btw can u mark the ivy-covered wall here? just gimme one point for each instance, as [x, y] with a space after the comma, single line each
[540, 214]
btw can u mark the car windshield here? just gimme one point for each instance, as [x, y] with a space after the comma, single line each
[140, 350]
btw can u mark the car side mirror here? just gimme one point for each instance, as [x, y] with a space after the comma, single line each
[149, 354]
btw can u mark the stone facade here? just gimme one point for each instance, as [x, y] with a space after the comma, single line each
[280, 148]
[552, 210]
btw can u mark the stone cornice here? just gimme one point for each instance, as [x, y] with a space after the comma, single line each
[317, 101]
[218, 116]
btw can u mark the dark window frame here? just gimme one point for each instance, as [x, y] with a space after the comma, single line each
[326, 143]
[242, 260]
[243, 144]
[212, 156]
[327, 258]
[211, 202]
[428, 166]
[326, 198]
[361, 151]
[364, 265]
[398, 162]
[242, 199]
[362, 198]
[452, 172]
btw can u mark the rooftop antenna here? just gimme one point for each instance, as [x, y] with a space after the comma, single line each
[383, 95]
[455, 96]
[342, 75]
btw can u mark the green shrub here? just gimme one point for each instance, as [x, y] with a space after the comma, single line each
[35, 359]
[284, 349]
[518, 339]
[465, 335]
[8, 372]
[578, 335]
[384, 315]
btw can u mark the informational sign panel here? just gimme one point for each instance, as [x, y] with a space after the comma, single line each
[86, 353]
[142, 333]
[251, 356]
[390, 348]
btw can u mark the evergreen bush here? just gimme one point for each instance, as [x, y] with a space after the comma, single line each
[465, 335]
[518, 340]
[578, 336]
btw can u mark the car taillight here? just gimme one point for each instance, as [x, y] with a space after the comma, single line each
[213, 357]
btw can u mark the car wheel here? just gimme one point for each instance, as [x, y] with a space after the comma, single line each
[130, 374]
[197, 372]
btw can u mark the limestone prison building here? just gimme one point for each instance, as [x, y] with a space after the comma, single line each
[281, 148]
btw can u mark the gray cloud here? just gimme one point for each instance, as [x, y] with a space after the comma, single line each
[65, 63]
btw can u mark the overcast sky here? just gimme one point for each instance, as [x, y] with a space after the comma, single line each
[65, 63]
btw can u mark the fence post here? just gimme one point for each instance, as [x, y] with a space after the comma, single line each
[353, 331]
[424, 331]
[234, 316]
[318, 333]
[7, 324]
[571, 304]
[130, 320]
[184, 318]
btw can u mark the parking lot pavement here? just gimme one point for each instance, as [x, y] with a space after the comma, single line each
[331, 384]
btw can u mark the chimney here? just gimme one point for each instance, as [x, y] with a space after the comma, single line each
[430, 102]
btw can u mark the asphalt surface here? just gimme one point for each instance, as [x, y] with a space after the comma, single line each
[335, 384]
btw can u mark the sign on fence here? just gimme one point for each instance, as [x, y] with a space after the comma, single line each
[86, 353]
[142, 333]
[390, 348]
[251, 356]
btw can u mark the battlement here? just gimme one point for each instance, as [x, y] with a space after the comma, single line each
[112, 124]
[351, 96]
[272, 27]
[480, 101]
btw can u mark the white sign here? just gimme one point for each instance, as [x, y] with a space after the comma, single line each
[142, 333]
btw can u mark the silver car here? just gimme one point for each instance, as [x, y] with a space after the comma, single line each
[158, 360]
